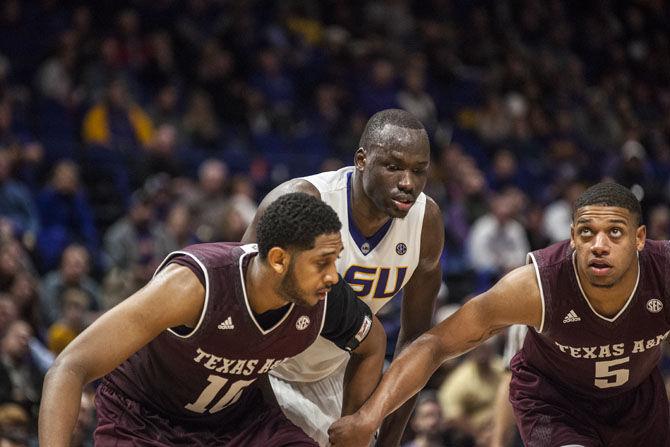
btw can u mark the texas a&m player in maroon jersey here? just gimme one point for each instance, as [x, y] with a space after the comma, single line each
[181, 357]
[598, 311]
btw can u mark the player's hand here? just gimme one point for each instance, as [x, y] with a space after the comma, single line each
[350, 431]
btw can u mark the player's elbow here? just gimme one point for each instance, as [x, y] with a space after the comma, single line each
[66, 366]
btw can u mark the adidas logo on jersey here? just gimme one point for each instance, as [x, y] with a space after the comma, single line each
[226, 324]
[571, 317]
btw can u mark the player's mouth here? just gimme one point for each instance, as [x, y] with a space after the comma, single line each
[322, 292]
[403, 203]
[599, 267]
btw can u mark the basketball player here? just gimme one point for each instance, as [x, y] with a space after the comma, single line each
[597, 308]
[393, 236]
[180, 358]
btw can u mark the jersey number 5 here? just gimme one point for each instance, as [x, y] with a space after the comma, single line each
[207, 396]
[608, 376]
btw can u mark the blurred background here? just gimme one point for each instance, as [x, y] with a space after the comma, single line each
[130, 128]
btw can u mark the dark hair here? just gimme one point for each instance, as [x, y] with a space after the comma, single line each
[372, 133]
[295, 220]
[610, 194]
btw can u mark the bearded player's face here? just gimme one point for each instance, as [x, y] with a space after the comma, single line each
[311, 273]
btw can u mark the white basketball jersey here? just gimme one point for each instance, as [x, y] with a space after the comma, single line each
[376, 268]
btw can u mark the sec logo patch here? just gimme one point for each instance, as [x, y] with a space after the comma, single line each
[302, 323]
[654, 305]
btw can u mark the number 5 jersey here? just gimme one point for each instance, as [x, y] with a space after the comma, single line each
[587, 353]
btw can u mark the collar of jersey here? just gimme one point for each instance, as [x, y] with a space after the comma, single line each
[356, 234]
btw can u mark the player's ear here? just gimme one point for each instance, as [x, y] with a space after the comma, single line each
[572, 236]
[360, 158]
[279, 259]
[640, 237]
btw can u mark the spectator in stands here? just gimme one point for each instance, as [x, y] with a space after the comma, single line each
[14, 426]
[17, 204]
[73, 272]
[427, 422]
[65, 216]
[558, 214]
[497, 242]
[210, 201]
[13, 261]
[20, 378]
[74, 309]
[179, 226]
[8, 312]
[200, 123]
[24, 292]
[116, 122]
[468, 393]
[414, 98]
[136, 243]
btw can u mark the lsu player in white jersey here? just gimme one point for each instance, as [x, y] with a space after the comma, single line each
[393, 236]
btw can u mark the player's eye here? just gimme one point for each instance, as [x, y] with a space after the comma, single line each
[585, 232]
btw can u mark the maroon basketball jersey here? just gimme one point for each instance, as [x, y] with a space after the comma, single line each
[198, 376]
[586, 352]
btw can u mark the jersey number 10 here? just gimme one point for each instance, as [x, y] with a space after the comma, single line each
[216, 384]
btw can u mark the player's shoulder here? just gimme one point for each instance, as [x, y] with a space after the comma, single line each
[656, 248]
[432, 217]
[557, 255]
[432, 209]
[331, 181]
[296, 185]
[215, 254]
[521, 279]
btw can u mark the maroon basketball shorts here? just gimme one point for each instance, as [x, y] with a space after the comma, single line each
[549, 415]
[123, 422]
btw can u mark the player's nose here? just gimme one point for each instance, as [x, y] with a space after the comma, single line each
[600, 244]
[406, 182]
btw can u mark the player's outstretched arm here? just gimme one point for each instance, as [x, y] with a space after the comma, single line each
[364, 368]
[418, 306]
[515, 299]
[174, 297]
[293, 185]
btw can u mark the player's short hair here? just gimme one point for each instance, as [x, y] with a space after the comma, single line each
[295, 220]
[610, 194]
[372, 134]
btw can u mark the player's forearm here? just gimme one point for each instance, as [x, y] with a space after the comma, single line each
[360, 379]
[59, 408]
[406, 376]
[394, 424]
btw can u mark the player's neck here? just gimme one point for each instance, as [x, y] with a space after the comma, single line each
[367, 217]
[261, 285]
[608, 302]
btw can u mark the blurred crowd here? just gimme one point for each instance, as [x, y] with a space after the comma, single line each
[131, 128]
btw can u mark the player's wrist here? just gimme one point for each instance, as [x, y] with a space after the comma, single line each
[368, 421]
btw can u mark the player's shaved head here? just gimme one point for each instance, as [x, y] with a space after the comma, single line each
[386, 128]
